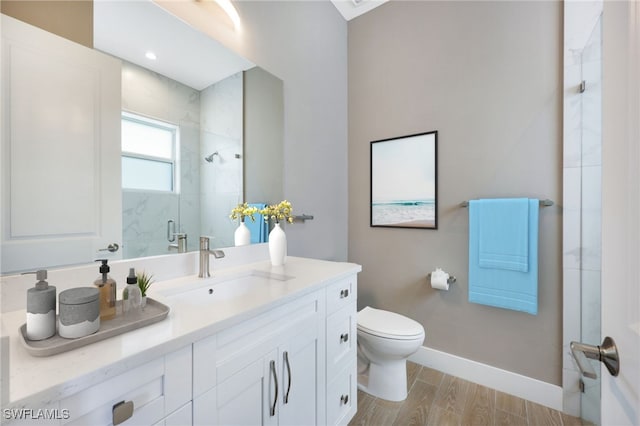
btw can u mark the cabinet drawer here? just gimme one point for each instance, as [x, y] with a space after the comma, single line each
[341, 396]
[156, 388]
[341, 339]
[341, 294]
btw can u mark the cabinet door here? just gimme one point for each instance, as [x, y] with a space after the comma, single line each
[60, 150]
[246, 398]
[298, 400]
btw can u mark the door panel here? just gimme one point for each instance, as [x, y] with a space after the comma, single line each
[61, 196]
[620, 209]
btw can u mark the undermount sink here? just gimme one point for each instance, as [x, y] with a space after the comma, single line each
[216, 289]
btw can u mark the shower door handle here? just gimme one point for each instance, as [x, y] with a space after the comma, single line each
[607, 353]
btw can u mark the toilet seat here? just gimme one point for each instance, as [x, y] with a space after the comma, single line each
[388, 325]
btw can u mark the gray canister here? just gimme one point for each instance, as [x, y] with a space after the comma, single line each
[79, 310]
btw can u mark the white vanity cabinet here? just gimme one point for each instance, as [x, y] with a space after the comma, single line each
[289, 360]
[265, 370]
[159, 390]
[341, 346]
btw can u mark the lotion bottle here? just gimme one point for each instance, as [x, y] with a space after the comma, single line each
[131, 295]
[107, 287]
[41, 308]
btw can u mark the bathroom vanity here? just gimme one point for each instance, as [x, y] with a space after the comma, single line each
[254, 344]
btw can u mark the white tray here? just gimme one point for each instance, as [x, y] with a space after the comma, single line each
[153, 312]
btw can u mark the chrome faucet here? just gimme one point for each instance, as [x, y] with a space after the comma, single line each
[204, 257]
[181, 245]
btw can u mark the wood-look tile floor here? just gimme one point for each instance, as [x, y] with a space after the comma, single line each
[442, 400]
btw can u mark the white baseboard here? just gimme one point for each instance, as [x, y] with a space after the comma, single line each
[495, 378]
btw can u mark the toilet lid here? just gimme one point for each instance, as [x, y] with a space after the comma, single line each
[388, 324]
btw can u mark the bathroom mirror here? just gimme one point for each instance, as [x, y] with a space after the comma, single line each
[209, 93]
[224, 113]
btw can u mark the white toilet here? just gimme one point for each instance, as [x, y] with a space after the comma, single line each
[385, 341]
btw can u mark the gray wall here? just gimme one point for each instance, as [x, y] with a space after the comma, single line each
[487, 76]
[263, 137]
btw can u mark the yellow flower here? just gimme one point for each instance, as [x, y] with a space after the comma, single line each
[243, 210]
[278, 212]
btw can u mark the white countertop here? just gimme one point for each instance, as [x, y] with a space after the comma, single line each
[37, 381]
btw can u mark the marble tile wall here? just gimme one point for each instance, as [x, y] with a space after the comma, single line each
[221, 181]
[145, 214]
[582, 200]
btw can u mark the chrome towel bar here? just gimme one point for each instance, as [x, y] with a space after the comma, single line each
[302, 218]
[543, 203]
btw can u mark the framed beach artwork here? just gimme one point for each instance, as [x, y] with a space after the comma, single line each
[404, 181]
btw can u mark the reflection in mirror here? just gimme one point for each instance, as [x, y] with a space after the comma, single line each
[231, 115]
[200, 87]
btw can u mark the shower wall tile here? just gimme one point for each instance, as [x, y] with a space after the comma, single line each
[145, 92]
[572, 150]
[591, 307]
[221, 107]
[221, 181]
[592, 115]
[190, 160]
[571, 228]
[146, 214]
[144, 218]
[571, 312]
[591, 218]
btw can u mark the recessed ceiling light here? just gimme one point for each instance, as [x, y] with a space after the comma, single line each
[150, 55]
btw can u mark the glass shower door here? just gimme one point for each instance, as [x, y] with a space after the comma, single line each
[591, 208]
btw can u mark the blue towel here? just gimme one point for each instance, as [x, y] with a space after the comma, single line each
[259, 233]
[503, 288]
[504, 233]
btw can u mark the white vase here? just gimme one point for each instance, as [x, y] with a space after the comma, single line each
[277, 245]
[242, 236]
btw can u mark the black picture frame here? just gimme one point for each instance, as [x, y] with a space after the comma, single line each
[404, 181]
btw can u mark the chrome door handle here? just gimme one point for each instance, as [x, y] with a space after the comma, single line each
[607, 353]
[112, 248]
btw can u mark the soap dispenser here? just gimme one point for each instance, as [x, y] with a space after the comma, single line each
[41, 308]
[107, 287]
[131, 295]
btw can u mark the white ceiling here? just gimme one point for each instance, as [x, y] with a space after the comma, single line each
[351, 9]
[128, 29]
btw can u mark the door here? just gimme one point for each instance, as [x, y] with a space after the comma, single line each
[60, 151]
[620, 403]
[299, 360]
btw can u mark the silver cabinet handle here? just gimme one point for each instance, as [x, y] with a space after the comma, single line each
[607, 353]
[344, 399]
[275, 378]
[344, 337]
[286, 360]
[121, 412]
[112, 248]
[344, 293]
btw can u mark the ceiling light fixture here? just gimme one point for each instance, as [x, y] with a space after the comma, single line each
[150, 55]
[231, 12]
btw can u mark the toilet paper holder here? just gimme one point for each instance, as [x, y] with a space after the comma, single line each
[451, 279]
